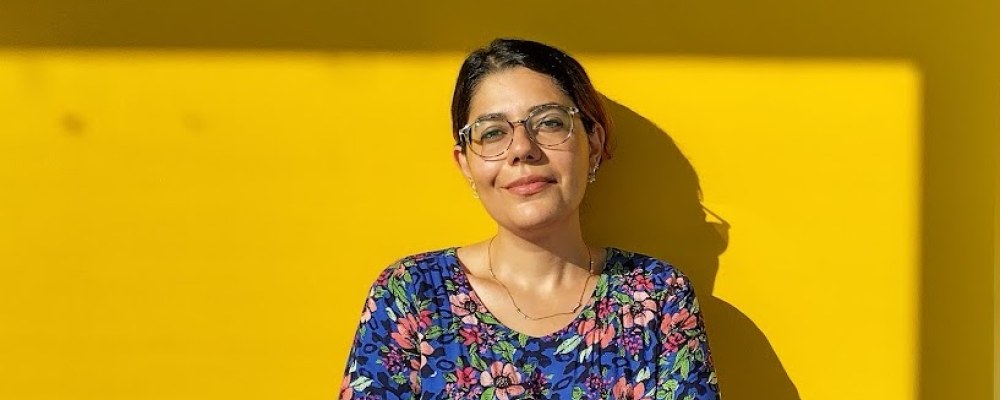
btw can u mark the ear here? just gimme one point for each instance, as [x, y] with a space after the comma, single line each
[462, 162]
[596, 140]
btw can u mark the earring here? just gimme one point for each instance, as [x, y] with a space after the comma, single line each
[592, 176]
[475, 193]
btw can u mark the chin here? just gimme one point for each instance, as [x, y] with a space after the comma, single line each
[530, 217]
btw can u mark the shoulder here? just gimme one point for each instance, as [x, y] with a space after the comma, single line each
[419, 264]
[415, 275]
[644, 273]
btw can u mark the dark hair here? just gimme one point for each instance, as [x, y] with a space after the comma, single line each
[568, 74]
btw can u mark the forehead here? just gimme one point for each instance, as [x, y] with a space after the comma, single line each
[514, 92]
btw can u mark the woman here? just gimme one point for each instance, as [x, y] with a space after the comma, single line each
[534, 311]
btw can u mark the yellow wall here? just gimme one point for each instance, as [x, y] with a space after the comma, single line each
[181, 183]
[203, 225]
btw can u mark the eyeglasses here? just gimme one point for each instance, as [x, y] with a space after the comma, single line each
[491, 136]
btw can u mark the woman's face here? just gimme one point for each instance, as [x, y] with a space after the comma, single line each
[563, 168]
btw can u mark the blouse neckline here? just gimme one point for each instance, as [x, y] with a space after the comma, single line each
[460, 268]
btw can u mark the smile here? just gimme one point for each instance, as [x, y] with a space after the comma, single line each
[529, 189]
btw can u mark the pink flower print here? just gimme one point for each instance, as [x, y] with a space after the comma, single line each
[424, 319]
[466, 376]
[639, 312]
[504, 378]
[674, 342]
[641, 283]
[414, 381]
[604, 306]
[346, 392]
[471, 335]
[410, 337]
[366, 314]
[465, 307]
[674, 326]
[677, 282]
[623, 391]
[591, 334]
[681, 320]
[399, 270]
[406, 332]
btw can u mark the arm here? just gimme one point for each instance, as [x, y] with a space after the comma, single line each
[385, 356]
[684, 366]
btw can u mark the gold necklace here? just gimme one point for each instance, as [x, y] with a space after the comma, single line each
[579, 302]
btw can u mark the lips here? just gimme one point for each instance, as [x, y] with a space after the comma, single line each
[529, 185]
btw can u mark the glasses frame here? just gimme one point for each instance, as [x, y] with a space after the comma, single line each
[465, 134]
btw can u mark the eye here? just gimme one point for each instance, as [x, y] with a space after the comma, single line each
[550, 124]
[491, 134]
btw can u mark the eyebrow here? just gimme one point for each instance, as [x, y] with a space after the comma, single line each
[504, 115]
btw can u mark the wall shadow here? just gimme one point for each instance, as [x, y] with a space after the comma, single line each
[650, 201]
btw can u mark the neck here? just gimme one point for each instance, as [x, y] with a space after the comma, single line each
[541, 259]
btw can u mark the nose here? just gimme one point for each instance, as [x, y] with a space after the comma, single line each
[522, 148]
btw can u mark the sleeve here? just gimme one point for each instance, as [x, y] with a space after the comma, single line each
[684, 365]
[385, 355]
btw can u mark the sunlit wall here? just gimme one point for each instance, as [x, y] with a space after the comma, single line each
[204, 225]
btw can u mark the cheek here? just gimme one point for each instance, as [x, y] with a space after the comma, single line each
[484, 174]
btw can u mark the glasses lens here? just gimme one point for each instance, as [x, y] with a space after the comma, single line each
[491, 137]
[551, 126]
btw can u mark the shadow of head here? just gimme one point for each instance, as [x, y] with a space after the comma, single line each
[648, 199]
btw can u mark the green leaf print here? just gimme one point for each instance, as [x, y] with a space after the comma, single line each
[668, 390]
[362, 383]
[685, 365]
[681, 361]
[642, 375]
[622, 298]
[505, 349]
[399, 294]
[488, 394]
[486, 318]
[699, 355]
[602, 288]
[477, 362]
[522, 339]
[569, 345]
[577, 393]
[433, 332]
[401, 305]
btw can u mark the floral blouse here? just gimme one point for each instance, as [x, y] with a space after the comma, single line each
[425, 334]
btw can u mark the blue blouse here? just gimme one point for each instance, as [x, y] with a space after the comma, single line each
[425, 334]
